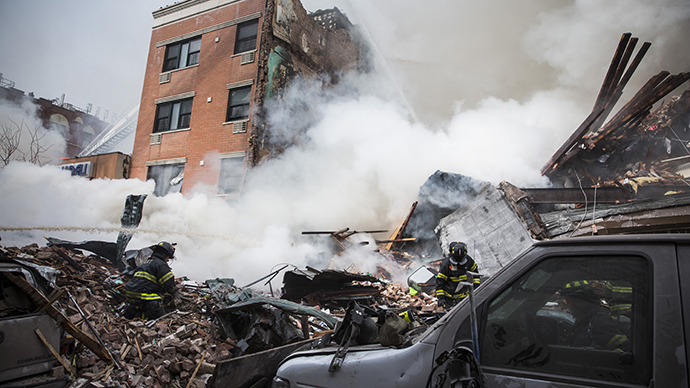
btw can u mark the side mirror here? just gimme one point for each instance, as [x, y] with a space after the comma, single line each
[455, 369]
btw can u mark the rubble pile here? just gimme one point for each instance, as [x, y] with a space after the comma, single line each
[170, 352]
[208, 323]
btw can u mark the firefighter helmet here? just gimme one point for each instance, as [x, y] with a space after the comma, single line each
[458, 250]
[164, 247]
[581, 289]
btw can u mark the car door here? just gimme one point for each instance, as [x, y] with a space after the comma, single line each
[532, 334]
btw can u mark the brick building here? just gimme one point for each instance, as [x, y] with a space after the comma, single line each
[76, 125]
[212, 65]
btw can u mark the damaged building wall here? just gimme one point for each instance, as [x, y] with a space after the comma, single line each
[315, 49]
[294, 44]
[492, 230]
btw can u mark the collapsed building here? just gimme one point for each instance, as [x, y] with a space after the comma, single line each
[624, 175]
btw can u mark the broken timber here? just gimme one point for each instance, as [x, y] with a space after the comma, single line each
[397, 235]
[66, 257]
[54, 352]
[591, 130]
[54, 313]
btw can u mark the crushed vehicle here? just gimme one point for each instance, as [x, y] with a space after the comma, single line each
[24, 352]
[526, 328]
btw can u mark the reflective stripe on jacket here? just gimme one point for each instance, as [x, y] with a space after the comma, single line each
[450, 275]
[150, 280]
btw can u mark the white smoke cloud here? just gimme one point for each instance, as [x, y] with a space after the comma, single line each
[498, 87]
[35, 142]
[579, 40]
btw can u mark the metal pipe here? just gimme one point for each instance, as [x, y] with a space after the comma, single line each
[98, 337]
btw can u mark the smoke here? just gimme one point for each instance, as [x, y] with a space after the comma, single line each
[497, 87]
[22, 136]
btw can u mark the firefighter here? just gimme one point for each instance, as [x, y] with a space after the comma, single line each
[594, 327]
[619, 295]
[453, 271]
[150, 280]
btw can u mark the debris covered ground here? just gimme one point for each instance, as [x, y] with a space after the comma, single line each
[209, 323]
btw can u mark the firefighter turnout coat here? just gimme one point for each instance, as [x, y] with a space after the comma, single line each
[450, 276]
[150, 280]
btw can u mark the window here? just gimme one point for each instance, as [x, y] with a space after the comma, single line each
[574, 316]
[231, 172]
[87, 135]
[173, 115]
[238, 104]
[168, 178]
[59, 123]
[246, 36]
[182, 54]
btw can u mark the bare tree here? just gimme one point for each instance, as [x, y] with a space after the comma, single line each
[10, 137]
[37, 149]
[10, 143]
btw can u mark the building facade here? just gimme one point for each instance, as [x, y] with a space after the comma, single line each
[76, 125]
[212, 64]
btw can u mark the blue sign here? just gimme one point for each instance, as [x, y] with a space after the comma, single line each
[80, 169]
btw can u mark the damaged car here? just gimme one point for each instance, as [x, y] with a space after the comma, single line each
[523, 326]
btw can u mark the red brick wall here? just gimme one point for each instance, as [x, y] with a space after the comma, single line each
[207, 136]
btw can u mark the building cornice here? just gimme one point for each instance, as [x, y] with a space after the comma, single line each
[184, 9]
[176, 7]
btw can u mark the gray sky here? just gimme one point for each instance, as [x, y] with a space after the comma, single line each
[92, 51]
[442, 54]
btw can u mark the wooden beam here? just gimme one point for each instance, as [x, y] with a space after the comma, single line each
[397, 234]
[570, 147]
[68, 259]
[61, 320]
[54, 352]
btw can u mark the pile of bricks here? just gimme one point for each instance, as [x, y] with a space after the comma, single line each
[180, 349]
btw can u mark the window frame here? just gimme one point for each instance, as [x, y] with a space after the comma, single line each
[640, 330]
[175, 114]
[224, 175]
[244, 42]
[238, 105]
[165, 176]
[181, 54]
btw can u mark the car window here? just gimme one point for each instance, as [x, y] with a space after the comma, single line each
[514, 296]
[573, 316]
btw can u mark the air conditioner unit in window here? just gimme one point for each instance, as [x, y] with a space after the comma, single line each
[164, 77]
[156, 138]
[239, 127]
[247, 57]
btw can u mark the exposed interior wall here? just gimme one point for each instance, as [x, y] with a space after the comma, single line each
[293, 44]
[493, 232]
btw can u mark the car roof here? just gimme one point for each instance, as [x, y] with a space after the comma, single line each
[614, 239]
